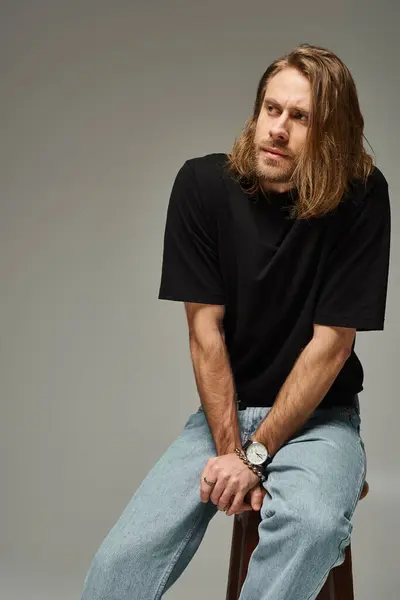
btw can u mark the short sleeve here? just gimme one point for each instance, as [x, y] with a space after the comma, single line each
[190, 265]
[354, 287]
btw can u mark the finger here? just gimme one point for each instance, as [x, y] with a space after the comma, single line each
[236, 504]
[241, 509]
[205, 489]
[225, 506]
[216, 493]
[226, 498]
[244, 506]
[256, 498]
[245, 502]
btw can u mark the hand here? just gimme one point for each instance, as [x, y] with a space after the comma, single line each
[233, 480]
[252, 498]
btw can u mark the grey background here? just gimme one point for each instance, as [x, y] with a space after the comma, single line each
[101, 103]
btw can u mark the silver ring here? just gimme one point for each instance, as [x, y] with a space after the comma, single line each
[209, 482]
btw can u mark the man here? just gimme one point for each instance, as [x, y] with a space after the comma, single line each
[280, 252]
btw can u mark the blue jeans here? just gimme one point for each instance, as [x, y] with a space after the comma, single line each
[313, 485]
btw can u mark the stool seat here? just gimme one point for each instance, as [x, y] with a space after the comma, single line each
[365, 490]
[338, 586]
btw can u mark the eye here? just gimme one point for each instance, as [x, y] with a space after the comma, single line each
[300, 116]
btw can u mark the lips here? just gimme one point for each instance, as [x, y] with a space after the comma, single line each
[274, 151]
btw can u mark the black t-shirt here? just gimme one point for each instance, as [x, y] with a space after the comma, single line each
[276, 276]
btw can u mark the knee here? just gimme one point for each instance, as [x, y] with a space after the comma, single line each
[323, 525]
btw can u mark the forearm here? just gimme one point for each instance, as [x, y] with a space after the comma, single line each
[216, 389]
[307, 384]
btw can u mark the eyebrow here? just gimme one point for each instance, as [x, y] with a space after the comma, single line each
[292, 108]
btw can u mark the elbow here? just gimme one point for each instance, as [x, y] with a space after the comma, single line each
[205, 326]
[331, 353]
[337, 342]
[342, 354]
[207, 342]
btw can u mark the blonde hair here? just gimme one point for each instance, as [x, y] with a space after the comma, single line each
[333, 154]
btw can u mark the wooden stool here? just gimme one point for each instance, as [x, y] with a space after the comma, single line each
[338, 586]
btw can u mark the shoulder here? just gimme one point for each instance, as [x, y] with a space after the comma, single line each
[366, 207]
[204, 176]
[366, 198]
[198, 190]
[208, 168]
[200, 173]
[373, 189]
[208, 162]
[377, 178]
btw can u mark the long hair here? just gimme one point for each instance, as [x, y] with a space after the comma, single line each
[333, 155]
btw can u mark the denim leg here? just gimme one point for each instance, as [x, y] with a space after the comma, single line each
[314, 482]
[162, 526]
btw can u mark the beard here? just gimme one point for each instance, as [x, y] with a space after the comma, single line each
[270, 170]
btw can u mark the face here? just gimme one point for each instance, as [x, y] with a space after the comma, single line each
[281, 128]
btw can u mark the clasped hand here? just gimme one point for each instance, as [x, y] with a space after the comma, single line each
[233, 480]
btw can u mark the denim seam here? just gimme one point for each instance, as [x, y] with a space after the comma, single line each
[176, 557]
[348, 536]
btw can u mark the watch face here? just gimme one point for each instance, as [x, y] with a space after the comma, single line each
[257, 453]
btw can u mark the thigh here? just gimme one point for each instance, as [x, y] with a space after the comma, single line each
[321, 470]
[313, 485]
[167, 502]
[168, 498]
[176, 474]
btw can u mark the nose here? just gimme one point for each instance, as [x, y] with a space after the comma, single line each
[278, 130]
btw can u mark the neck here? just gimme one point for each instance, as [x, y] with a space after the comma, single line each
[277, 188]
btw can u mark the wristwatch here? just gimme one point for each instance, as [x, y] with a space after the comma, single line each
[256, 453]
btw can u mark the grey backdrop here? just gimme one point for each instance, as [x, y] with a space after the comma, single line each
[101, 103]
